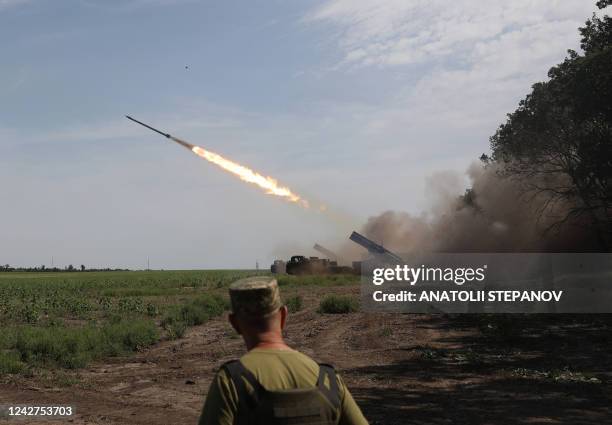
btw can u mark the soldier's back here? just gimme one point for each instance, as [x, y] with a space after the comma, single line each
[281, 369]
[278, 370]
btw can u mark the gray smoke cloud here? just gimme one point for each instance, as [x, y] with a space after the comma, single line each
[499, 214]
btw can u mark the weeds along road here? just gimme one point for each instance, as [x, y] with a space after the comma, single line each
[402, 369]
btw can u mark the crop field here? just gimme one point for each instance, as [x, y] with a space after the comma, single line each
[142, 347]
[66, 320]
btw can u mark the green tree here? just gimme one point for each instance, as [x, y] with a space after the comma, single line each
[597, 32]
[559, 140]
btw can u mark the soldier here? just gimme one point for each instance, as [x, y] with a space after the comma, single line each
[271, 383]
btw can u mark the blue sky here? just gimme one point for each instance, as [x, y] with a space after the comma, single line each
[353, 103]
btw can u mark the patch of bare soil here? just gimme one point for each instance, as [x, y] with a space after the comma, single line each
[402, 369]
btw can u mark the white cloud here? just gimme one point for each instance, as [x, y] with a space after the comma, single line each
[469, 61]
[448, 72]
[396, 32]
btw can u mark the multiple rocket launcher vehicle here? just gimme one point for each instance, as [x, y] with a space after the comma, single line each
[301, 265]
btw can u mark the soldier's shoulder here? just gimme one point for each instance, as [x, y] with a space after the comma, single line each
[229, 362]
[223, 373]
[306, 358]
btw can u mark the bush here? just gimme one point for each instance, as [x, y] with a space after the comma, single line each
[10, 362]
[335, 304]
[193, 313]
[294, 303]
[75, 347]
[133, 335]
[175, 329]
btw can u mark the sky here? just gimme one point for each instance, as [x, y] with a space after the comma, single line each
[354, 104]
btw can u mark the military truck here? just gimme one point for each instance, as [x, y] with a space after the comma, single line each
[301, 265]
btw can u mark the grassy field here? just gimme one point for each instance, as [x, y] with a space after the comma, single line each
[537, 368]
[66, 320]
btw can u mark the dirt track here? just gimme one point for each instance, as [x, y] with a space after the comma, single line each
[402, 369]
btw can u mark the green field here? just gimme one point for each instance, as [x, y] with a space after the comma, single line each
[66, 320]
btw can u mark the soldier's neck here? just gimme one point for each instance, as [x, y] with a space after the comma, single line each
[268, 340]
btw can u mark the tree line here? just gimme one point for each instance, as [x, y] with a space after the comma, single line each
[558, 142]
[68, 268]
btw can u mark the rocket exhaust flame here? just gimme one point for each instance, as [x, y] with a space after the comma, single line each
[268, 184]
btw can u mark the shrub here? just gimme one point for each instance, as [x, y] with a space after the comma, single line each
[193, 313]
[10, 362]
[75, 347]
[335, 304]
[175, 329]
[294, 303]
[131, 335]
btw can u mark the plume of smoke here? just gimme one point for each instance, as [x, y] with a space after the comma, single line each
[498, 214]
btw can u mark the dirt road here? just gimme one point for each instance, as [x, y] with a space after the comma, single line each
[402, 369]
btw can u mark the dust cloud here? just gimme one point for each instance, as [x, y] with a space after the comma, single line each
[498, 214]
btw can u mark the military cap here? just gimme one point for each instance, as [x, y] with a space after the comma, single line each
[255, 296]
